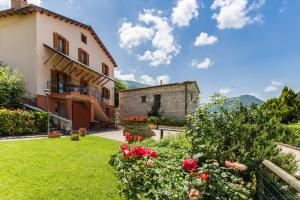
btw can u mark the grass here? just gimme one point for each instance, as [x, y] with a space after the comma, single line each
[58, 169]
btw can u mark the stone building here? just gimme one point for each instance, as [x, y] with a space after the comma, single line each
[176, 99]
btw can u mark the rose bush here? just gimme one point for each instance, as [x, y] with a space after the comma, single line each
[166, 170]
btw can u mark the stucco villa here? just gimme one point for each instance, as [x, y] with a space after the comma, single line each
[175, 100]
[61, 54]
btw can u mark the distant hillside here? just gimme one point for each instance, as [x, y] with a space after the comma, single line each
[247, 100]
[134, 85]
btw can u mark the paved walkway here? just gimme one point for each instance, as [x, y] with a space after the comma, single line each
[296, 153]
[118, 134]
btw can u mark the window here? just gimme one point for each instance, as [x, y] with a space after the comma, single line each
[105, 69]
[105, 93]
[144, 99]
[60, 43]
[83, 38]
[107, 112]
[83, 56]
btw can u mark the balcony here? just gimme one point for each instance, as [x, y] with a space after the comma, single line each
[57, 87]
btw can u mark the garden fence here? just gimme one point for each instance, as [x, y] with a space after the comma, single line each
[273, 183]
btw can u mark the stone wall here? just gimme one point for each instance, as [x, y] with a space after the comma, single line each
[172, 100]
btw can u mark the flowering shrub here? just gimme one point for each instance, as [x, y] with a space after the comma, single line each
[137, 125]
[20, 122]
[143, 118]
[130, 138]
[166, 170]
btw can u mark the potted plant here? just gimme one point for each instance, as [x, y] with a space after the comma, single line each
[75, 137]
[153, 122]
[82, 132]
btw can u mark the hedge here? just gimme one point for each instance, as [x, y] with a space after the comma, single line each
[290, 134]
[20, 122]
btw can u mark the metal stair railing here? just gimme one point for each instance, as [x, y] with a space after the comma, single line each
[61, 122]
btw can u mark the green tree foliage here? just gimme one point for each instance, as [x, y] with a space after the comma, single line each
[12, 86]
[244, 134]
[285, 108]
[119, 85]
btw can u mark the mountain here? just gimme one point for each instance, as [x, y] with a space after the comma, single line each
[134, 85]
[247, 100]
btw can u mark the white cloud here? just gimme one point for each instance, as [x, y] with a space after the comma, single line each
[274, 86]
[184, 11]
[277, 83]
[225, 90]
[132, 36]
[163, 78]
[235, 13]
[204, 39]
[148, 80]
[205, 64]
[5, 4]
[127, 77]
[165, 47]
[36, 2]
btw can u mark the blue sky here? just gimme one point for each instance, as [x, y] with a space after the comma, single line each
[230, 46]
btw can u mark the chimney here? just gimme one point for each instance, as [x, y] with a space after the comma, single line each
[17, 4]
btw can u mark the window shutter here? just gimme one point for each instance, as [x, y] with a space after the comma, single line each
[87, 59]
[79, 55]
[103, 68]
[55, 40]
[103, 94]
[108, 94]
[67, 47]
[107, 70]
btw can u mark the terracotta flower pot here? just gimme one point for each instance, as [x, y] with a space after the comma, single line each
[82, 132]
[152, 125]
[54, 134]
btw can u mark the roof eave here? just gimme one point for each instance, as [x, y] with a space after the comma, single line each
[34, 8]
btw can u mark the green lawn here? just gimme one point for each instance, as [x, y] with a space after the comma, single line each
[58, 169]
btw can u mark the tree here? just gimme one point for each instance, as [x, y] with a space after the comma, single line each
[285, 108]
[119, 85]
[244, 134]
[12, 86]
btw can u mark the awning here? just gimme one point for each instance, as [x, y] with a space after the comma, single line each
[67, 64]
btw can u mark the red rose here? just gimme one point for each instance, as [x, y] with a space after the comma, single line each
[124, 147]
[127, 153]
[129, 138]
[138, 152]
[126, 134]
[139, 138]
[151, 153]
[189, 165]
[204, 176]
